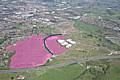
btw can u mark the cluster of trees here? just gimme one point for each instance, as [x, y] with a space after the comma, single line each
[94, 70]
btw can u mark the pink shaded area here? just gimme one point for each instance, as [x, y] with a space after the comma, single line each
[10, 48]
[54, 46]
[29, 53]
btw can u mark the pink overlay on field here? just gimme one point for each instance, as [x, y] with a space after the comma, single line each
[31, 52]
[53, 45]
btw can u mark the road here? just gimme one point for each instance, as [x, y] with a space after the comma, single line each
[68, 62]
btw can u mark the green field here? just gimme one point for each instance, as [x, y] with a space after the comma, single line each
[86, 27]
[7, 76]
[66, 73]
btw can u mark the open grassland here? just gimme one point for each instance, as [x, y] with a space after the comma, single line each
[7, 76]
[65, 73]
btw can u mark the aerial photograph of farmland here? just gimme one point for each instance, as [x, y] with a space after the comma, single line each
[59, 39]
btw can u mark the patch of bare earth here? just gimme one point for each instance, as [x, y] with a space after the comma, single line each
[66, 27]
